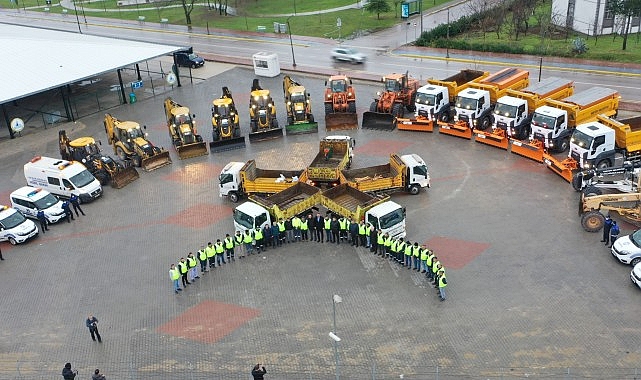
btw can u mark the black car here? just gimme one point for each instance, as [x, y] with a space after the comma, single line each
[189, 60]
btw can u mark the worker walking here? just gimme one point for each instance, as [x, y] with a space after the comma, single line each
[606, 230]
[174, 276]
[614, 232]
[75, 202]
[92, 325]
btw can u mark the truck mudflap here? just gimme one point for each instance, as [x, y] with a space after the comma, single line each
[155, 162]
[227, 144]
[268, 134]
[301, 128]
[495, 138]
[341, 121]
[563, 168]
[419, 123]
[458, 129]
[192, 150]
[124, 177]
[378, 120]
[533, 150]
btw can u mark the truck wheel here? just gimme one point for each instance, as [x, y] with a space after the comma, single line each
[290, 120]
[525, 133]
[591, 191]
[444, 116]
[12, 241]
[484, 123]
[310, 118]
[577, 181]
[592, 221]
[563, 145]
[373, 107]
[351, 107]
[137, 160]
[252, 126]
[397, 110]
[215, 135]
[102, 177]
[415, 189]
[233, 196]
[328, 109]
[603, 164]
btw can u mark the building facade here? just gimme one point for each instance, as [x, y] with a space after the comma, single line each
[590, 17]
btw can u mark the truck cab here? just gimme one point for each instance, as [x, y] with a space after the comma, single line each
[433, 103]
[389, 217]
[472, 106]
[417, 174]
[511, 115]
[230, 181]
[549, 125]
[249, 215]
[593, 146]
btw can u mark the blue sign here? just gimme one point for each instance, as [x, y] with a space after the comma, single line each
[136, 84]
[405, 10]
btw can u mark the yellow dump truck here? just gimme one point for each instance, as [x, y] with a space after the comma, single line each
[295, 200]
[349, 202]
[402, 173]
[334, 154]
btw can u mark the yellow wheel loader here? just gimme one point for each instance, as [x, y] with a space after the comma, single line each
[263, 124]
[104, 168]
[225, 124]
[299, 108]
[182, 130]
[131, 144]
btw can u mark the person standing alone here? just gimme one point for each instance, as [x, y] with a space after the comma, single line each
[259, 372]
[92, 325]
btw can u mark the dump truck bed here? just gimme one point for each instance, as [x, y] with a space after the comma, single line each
[267, 181]
[498, 83]
[627, 132]
[328, 169]
[291, 201]
[349, 202]
[584, 106]
[459, 81]
[535, 95]
[376, 178]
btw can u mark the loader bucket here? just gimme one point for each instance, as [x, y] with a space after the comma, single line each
[154, 162]
[272, 133]
[563, 168]
[124, 177]
[496, 138]
[378, 120]
[192, 150]
[339, 121]
[533, 150]
[419, 124]
[227, 144]
[458, 129]
[301, 128]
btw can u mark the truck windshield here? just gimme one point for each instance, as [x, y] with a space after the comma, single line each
[392, 85]
[82, 179]
[635, 238]
[466, 103]
[338, 86]
[543, 121]
[45, 202]
[225, 178]
[427, 99]
[391, 219]
[243, 219]
[12, 220]
[420, 170]
[580, 139]
[505, 110]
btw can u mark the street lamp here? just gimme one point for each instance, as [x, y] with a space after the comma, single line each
[447, 48]
[289, 29]
[335, 299]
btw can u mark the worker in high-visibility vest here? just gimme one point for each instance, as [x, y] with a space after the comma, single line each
[416, 253]
[442, 283]
[174, 276]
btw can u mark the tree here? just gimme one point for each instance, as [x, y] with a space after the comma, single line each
[188, 6]
[626, 10]
[376, 6]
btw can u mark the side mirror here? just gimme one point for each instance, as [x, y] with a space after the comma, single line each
[193, 116]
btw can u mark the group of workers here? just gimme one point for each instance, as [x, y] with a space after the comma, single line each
[332, 229]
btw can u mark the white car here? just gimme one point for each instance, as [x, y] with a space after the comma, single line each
[15, 227]
[635, 275]
[627, 249]
[348, 55]
[29, 200]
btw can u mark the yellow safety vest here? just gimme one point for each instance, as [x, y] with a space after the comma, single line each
[424, 254]
[211, 251]
[192, 262]
[303, 225]
[183, 267]
[238, 238]
[441, 282]
[388, 241]
[295, 222]
[174, 274]
[219, 248]
[202, 255]
[328, 224]
[408, 250]
[247, 237]
[380, 240]
[430, 257]
[281, 226]
[229, 242]
[361, 229]
[435, 267]
[416, 250]
[342, 223]
[258, 234]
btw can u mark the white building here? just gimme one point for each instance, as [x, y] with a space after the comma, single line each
[589, 17]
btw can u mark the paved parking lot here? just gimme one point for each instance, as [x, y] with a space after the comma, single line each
[529, 291]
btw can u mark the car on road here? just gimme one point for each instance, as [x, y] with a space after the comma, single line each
[635, 275]
[627, 249]
[348, 55]
[29, 200]
[15, 227]
[192, 60]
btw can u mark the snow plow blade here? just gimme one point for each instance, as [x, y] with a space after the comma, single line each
[269, 134]
[563, 168]
[496, 138]
[378, 120]
[227, 144]
[419, 124]
[458, 130]
[155, 162]
[124, 177]
[338, 121]
[192, 150]
[301, 128]
[532, 150]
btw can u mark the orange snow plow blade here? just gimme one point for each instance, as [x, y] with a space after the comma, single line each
[496, 138]
[563, 168]
[533, 150]
[420, 124]
[459, 129]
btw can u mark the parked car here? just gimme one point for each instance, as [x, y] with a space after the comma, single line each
[14, 227]
[627, 249]
[635, 275]
[348, 55]
[192, 60]
[29, 200]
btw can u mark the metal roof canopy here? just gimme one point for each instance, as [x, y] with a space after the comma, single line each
[44, 59]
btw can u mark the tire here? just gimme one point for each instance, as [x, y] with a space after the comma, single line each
[137, 161]
[564, 145]
[603, 164]
[252, 126]
[577, 181]
[351, 107]
[373, 106]
[274, 123]
[121, 153]
[592, 221]
[397, 110]
[591, 191]
[102, 177]
[310, 118]
[237, 132]
[193, 65]
[484, 123]
[12, 241]
[415, 189]
[233, 196]
[444, 116]
[290, 120]
[328, 109]
[635, 261]
[525, 133]
[215, 135]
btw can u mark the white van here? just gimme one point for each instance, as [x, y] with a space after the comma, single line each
[29, 200]
[62, 178]
[15, 227]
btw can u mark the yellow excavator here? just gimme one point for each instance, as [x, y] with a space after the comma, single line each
[299, 108]
[104, 168]
[182, 130]
[592, 208]
[225, 124]
[263, 124]
[131, 144]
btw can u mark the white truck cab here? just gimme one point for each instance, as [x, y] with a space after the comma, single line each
[14, 227]
[433, 102]
[249, 215]
[593, 145]
[29, 200]
[389, 217]
[550, 126]
[473, 107]
[229, 179]
[511, 115]
[418, 176]
[62, 178]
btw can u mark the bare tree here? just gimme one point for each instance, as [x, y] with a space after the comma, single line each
[626, 10]
[486, 20]
[188, 7]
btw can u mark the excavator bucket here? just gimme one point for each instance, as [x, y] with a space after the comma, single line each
[301, 128]
[496, 138]
[532, 150]
[192, 150]
[155, 162]
[124, 177]
[227, 144]
[563, 168]
[340, 121]
[378, 120]
[461, 130]
[420, 124]
[272, 133]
